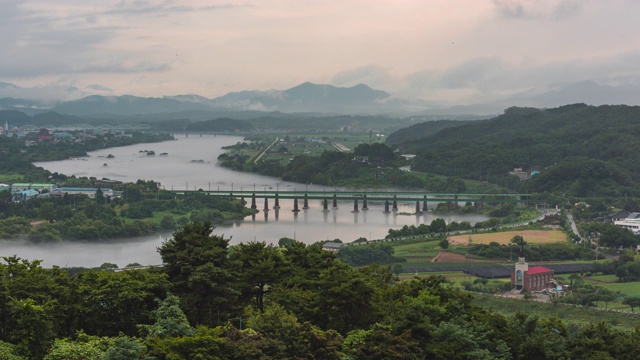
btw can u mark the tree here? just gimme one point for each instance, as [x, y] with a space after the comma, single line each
[84, 347]
[125, 348]
[167, 222]
[261, 266]
[379, 342]
[519, 241]
[444, 244]
[632, 301]
[374, 253]
[285, 241]
[438, 225]
[170, 320]
[100, 199]
[33, 331]
[201, 272]
[344, 299]
[204, 344]
[119, 300]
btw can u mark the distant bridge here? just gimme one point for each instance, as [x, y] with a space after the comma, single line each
[76, 127]
[362, 198]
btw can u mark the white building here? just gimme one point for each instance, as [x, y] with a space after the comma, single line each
[631, 224]
[90, 192]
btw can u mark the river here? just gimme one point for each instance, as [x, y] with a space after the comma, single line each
[177, 170]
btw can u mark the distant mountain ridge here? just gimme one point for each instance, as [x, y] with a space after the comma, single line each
[306, 98]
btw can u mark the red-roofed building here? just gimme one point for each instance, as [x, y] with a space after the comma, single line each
[44, 135]
[534, 278]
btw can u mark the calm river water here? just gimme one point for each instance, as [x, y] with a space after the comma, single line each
[177, 171]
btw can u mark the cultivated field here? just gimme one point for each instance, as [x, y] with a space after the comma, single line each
[530, 236]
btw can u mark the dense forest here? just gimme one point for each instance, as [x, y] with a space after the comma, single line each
[214, 301]
[580, 150]
[421, 130]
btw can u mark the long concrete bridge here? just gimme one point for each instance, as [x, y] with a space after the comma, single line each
[361, 199]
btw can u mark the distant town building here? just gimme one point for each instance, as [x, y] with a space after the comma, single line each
[16, 187]
[521, 174]
[332, 246]
[23, 195]
[632, 224]
[90, 192]
[113, 184]
[44, 135]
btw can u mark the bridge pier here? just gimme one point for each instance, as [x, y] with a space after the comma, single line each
[335, 202]
[266, 205]
[424, 204]
[395, 204]
[386, 206]
[325, 205]
[277, 202]
[295, 205]
[364, 203]
[306, 202]
[418, 207]
[355, 206]
[253, 201]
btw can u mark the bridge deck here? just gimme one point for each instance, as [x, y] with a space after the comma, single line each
[368, 195]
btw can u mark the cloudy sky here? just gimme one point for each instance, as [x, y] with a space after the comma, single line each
[439, 50]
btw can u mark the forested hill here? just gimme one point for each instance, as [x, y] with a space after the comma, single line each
[579, 149]
[421, 130]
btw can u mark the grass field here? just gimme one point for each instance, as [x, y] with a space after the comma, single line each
[610, 282]
[10, 177]
[530, 236]
[570, 314]
[426, 249]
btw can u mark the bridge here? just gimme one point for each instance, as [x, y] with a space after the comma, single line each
[361, 199]
[76, 127]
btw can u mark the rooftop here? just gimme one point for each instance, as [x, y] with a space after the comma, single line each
[538, 270]
[332, 245]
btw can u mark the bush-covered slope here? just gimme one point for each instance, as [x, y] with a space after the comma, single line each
[582, 149]
[421, 130]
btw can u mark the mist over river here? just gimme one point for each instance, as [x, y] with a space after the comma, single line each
[177, 170]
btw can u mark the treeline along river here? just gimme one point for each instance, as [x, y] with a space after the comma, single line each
[191, 163]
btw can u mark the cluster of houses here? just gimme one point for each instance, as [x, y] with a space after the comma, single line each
[25, 191]
[626, 219]
[522, 174]
[33, 136]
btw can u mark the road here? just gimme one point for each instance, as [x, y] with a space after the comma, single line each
[574, 228]
[265, 150]
[340, 147]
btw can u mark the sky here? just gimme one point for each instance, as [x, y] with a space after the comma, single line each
[436, 50]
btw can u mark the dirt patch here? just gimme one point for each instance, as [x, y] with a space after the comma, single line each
[530, 236]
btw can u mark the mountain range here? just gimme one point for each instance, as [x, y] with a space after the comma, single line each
[304, 98]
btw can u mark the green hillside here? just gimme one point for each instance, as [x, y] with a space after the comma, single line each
[422, 130]
[579, 149]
